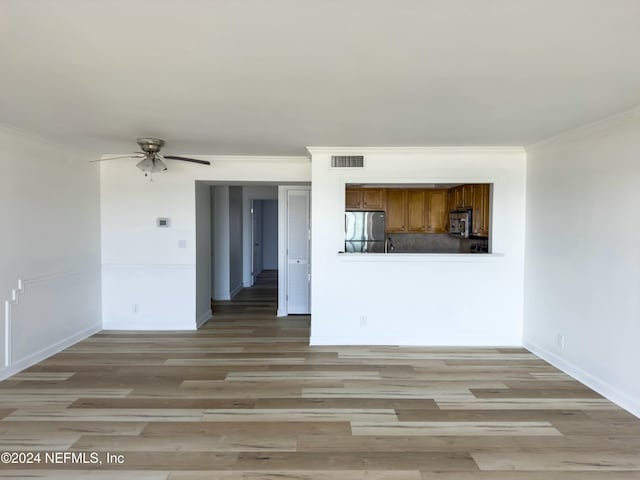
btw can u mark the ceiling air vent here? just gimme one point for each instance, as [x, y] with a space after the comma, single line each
[347, 161]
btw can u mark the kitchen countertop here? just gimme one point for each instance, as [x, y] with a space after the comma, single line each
[421, 257]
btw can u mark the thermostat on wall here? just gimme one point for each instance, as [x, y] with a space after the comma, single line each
[162, 222]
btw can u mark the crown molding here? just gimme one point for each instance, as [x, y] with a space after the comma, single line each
[38, 138]
[600, 126]
[511, 150]
[232, 158]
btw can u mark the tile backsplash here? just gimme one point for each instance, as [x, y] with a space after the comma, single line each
[432, 243]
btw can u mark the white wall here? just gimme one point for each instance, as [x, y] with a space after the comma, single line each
[221, 249]
[269, 234]
[49, 206]
[139, 259]
[583, 255]
[419, 299]
[235, 240]
[255, 192]
[203, 252]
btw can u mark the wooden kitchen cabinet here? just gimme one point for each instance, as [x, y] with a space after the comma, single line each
[396, 211]
[456, 200]
[452, 199]
[437, 211]
[416, 212]
[480, 215]
[457, 197]
[467, 196]
[353, 199]
[461, 197]
[373, 198]
[364, 199]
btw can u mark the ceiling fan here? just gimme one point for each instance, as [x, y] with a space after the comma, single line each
[150, 159]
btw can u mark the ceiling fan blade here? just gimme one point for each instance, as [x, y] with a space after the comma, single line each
[114, 157]
[186, 159]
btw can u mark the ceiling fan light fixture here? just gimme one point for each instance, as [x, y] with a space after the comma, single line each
[146, 164]
[158, 165]
[152, 161]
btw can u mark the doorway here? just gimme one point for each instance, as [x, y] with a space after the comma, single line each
[264, 238]
[250, 234]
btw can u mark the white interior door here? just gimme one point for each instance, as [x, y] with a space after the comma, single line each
[298, 251]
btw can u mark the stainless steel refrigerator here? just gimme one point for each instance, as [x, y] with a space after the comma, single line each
[364, 232]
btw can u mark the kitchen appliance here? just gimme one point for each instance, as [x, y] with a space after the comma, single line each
[364, 232]
[460, 223]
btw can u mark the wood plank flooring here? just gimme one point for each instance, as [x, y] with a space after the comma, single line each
[246, 397]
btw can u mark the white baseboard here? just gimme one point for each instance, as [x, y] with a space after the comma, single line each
[604, 388]
[418, 341]
[148, 326]
[236, 290]
[204, 318]
[47, 352]
[281, 313]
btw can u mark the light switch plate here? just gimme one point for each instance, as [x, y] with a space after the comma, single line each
[182, 244]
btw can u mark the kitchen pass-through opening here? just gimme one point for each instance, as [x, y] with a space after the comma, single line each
[421, 218]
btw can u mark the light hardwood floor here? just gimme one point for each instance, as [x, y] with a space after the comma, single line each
[247, 398]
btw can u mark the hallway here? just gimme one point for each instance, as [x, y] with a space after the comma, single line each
[261, 298]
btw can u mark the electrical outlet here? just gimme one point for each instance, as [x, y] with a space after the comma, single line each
[363, 320]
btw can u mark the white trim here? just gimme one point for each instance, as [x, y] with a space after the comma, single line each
[617, 396]
[413, 150]
[16, 293]
[39, 139]
[125, 266]
[48, 351]
[203, 318]
[236, 290]
[588, 130]
[7, 334]
[282, 251]
[228, 158]
[461, 341]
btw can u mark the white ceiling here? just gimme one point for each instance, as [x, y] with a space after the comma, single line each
[269, 77]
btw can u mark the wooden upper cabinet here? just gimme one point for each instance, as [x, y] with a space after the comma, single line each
[419, 210]
[452, 199]
[438, 213]
[461, 197]
[353, 199]
[456, 198]
[486, 219]
[486, 209]
[467, 196]
[480, 215]
[416, 214]
[364, 199]
[373, 198]
[396, 211]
